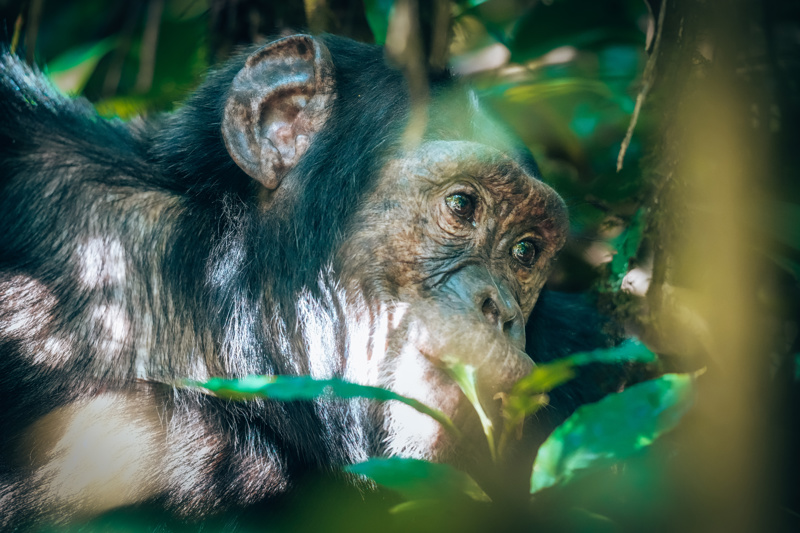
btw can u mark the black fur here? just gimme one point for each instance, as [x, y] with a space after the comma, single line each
[167, 189]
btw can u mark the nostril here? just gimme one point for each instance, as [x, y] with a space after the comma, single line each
[491, 312]
[509, 324]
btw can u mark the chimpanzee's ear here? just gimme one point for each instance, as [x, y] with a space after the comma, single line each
[276, 104]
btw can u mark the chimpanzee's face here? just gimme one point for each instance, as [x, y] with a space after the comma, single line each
[454, 244]
[443, 255]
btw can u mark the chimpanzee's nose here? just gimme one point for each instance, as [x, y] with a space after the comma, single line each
[501, 311]
[489, 297]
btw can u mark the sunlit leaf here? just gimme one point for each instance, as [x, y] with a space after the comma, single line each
[546, 89]
[544, 378]
[626, 246]
[612, 429]
[71, 70]
[629, 351]
[528, 394]
[466, 378]
[378, 13]
[293, 388]
[124, 107]
[415, 479]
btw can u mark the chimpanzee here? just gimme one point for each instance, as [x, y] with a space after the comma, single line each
[279, 222]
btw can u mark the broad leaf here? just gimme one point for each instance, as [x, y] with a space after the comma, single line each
[466, 378]
[528, 394]
[415, 479]
[71, 70]
[629, 351]
[291, 388]
[626, 246]
[612, 429]
[378, 13]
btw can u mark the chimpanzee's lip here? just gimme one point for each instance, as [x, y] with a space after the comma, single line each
[461, 412]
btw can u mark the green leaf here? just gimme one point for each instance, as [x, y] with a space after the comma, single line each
[293, 388]
[542, 90]
[466, 378]
[378, 13]
[578, 23]
[630, 350]
[782, 222]
[612, 429]
[528, 394]
[461, 7]
[468, 4]
[544, 378]
[416, 479]
[71, 70]
[626, 246]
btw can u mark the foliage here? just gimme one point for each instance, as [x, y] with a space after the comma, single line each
[291, 388]
[595, 436]
[612, 429]
[566, 81]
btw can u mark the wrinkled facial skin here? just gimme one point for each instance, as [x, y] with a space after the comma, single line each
[439, 238]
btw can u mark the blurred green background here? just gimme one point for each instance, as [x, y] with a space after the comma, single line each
[690, 236]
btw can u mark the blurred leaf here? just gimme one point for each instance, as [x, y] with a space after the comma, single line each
[463, 6]
[544, 378]
[783, 222]
[614, 428]
[584, 520]
[468, 4]
[626, 246]
[292, 388]
[378, 13]
[123, 107]
[797, 367]
[546, 89]
[71, 70]
[528, 394]
[577, 23]
[186, 9]
[792, 267]
[417, 506]
[466, 378]
[415, 479]
[629, 351]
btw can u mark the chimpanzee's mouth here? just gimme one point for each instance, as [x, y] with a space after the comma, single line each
[421, 376]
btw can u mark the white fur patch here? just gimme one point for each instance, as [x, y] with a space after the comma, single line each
[318, 324]
[411, 433]
[107, 452]
[26, 307]
[54, 352]
[26, 313]
[112, 326]
[102, 262]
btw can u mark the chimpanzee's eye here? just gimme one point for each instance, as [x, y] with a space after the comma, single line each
[524, 252]
[462, 205]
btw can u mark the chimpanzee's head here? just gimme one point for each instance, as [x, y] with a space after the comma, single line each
[440, 257]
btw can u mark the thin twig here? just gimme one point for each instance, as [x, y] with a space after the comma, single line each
[32, 30]
[114, 72]
[147, 58]
[404, 47]
[17, 31]
[647, 83]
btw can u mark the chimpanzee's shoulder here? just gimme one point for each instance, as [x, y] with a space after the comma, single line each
[35, 116]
